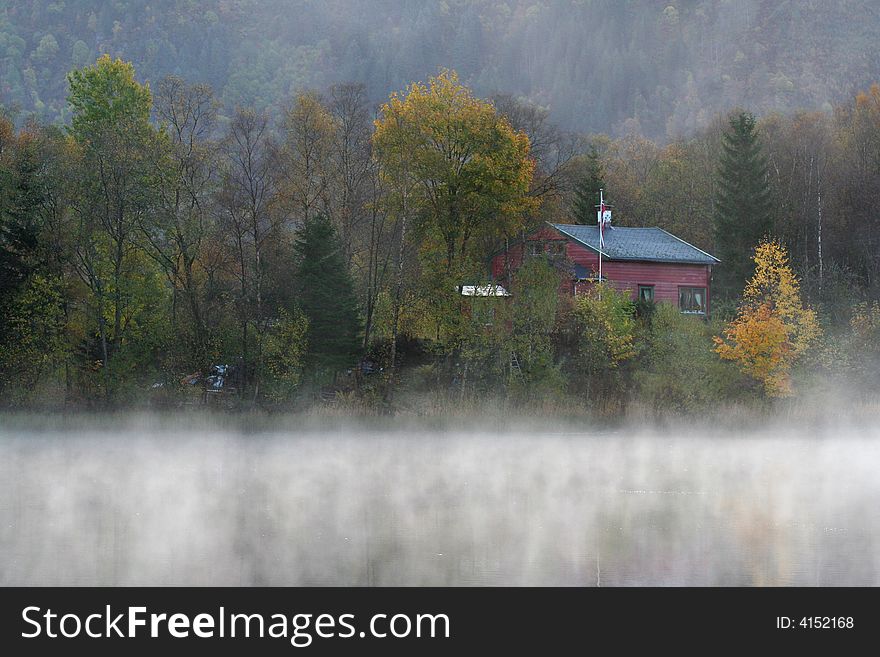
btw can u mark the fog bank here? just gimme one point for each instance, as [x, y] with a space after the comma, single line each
[150, 504]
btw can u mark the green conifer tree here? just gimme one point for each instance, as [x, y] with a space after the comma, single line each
[20, 198]
[743, 210]
[586, 192]
[325, 295]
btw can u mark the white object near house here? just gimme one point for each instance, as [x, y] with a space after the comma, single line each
[483, 291]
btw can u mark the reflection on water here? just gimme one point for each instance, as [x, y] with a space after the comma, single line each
[158, 507]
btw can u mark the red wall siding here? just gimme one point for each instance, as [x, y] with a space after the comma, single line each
[499, 266]
[515, 252]
[581, 255]
[665, 277]
[623, 275]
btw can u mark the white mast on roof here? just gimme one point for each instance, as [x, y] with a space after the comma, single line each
[603, 217]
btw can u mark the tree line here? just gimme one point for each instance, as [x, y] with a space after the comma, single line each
[809, 178]
[151, 240]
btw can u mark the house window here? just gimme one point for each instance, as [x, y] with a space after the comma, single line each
[556, 248]
[535, 248]
[646, 293]
[692, 300]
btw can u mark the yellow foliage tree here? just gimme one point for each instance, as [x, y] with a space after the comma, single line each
[773, 328]
[606, 328]
[470, 169]
[457, 167]
[308, 139]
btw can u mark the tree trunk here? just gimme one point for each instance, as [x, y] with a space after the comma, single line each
[398, 291]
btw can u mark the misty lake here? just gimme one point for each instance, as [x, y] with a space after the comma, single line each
[150, 502]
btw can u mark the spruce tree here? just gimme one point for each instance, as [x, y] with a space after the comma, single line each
[325, 295]
[586, 191]
[743, 210]
[20, 201]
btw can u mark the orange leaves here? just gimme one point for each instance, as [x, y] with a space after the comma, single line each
[772, 329]
[758, 341]
[866, 100]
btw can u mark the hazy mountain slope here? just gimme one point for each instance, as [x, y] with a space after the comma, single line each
[604, 65]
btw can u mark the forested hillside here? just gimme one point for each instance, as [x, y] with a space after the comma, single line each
[149, 246]
[291, 198]
[663, 68]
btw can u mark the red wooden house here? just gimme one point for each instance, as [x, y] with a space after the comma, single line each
[650, 263]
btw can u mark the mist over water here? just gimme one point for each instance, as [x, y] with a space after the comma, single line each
[158, 503]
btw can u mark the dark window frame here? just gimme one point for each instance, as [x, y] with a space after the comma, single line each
[534, 248]
[686, 293]
[647, 288]
[556, 248]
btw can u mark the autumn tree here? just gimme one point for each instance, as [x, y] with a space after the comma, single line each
[184, 164]
[743, 210]
[356, 198]
[33, 341]
[381, 244]
[111, 128]
[552, 149]
[284, 355]
[305, 157]
[772, 329]
[604, 328]
[863, 344]
[678, 370]
[858, 237]
[352, 168]
[19, 202]
[32, 321]
[465, 173]
[678, 192]
[628, 165]
[530, 320]
[251, 226]
[399, 187]
[800, 151]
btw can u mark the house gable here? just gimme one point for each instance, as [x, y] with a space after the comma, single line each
[668, 268]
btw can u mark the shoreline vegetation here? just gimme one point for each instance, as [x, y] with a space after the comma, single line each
[158, 255]
[813, 414]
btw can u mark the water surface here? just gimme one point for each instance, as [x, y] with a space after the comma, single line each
[150, 503]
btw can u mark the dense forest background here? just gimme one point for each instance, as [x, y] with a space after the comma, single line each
[282, 200]
[659, 68]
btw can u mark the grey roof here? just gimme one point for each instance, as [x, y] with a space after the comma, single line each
[646, 244]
